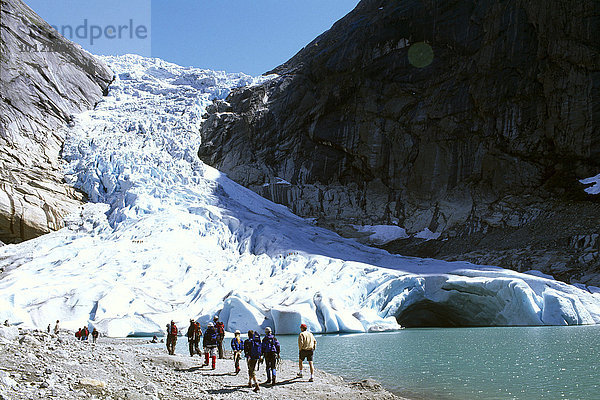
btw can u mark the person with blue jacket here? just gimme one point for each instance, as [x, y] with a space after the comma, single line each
[237, 345]
[270, 350]
[210, 343]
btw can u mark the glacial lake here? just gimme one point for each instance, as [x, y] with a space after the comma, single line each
[464, 363]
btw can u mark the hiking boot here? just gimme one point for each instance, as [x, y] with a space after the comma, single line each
[267, 381]
[273, 382]
[299, 375]
[249, 384]
[311, 379]
[256, 389]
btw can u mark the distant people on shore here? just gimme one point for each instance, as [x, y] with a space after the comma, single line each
[270, 350]
[237, 346]
[193, 334]
[6, 323]
[154, 339]
[82, 333]
[171, 337]
[220, 328]
[56, 328]
[306, 346]
[49, 328]
[252, 352]
[210, 343]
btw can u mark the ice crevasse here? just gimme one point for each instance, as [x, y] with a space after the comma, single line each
[166, 237]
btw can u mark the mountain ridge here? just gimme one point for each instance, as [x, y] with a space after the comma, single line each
[480, 144]
[45, 79]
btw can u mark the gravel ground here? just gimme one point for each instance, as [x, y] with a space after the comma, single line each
[37, 365]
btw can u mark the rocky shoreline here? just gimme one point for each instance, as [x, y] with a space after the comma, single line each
[38, 365]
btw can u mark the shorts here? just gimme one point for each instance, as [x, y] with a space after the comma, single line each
[308, 354]
[251, 367]
[212, 351]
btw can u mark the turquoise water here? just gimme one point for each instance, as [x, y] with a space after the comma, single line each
[466, 363]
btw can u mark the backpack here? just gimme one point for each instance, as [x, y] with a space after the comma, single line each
[270, 344]
[255, 347]
[173, 329]
[220, 329]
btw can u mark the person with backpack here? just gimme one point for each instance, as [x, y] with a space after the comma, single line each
[78, 334]
[171, 337]
[193, 338]
[56, 328]
[85, 332]
[306, 345]
[197, 338]
[270, 350]
[252, 352]
[237, 346]
[210, 345]
[95, 334]
[220, 327]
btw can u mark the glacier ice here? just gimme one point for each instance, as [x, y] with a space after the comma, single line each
[166, 237]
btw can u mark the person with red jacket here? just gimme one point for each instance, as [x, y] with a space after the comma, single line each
[220, 328]
[171, 337]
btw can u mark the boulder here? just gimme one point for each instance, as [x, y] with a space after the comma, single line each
[9, 332]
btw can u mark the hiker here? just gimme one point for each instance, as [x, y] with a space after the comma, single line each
[85, 332]
[197, 338]
[193, 338]
[154, 339]
[48, 328]
[270, 350]
[56, 328]
[78, 334]
[168, 344]
[237, 346]
[252, 352]
[171, 337]
[95, 334]
[220, 328]
[306, 346]
[209, 343]
[6, 323]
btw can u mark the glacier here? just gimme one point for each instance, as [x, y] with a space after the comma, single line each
[165, 236]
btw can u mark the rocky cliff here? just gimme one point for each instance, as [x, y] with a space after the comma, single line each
[472, 119]
[45, 79]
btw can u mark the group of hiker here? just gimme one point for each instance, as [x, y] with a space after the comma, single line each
[84, 333]
[254, 349]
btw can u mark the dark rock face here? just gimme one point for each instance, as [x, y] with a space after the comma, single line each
[474, 119]
[45, 79]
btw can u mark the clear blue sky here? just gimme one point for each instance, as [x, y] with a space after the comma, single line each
[251, 36]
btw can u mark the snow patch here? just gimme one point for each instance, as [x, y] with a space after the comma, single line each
[594, 181]
[427, 234]
[382, 234]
